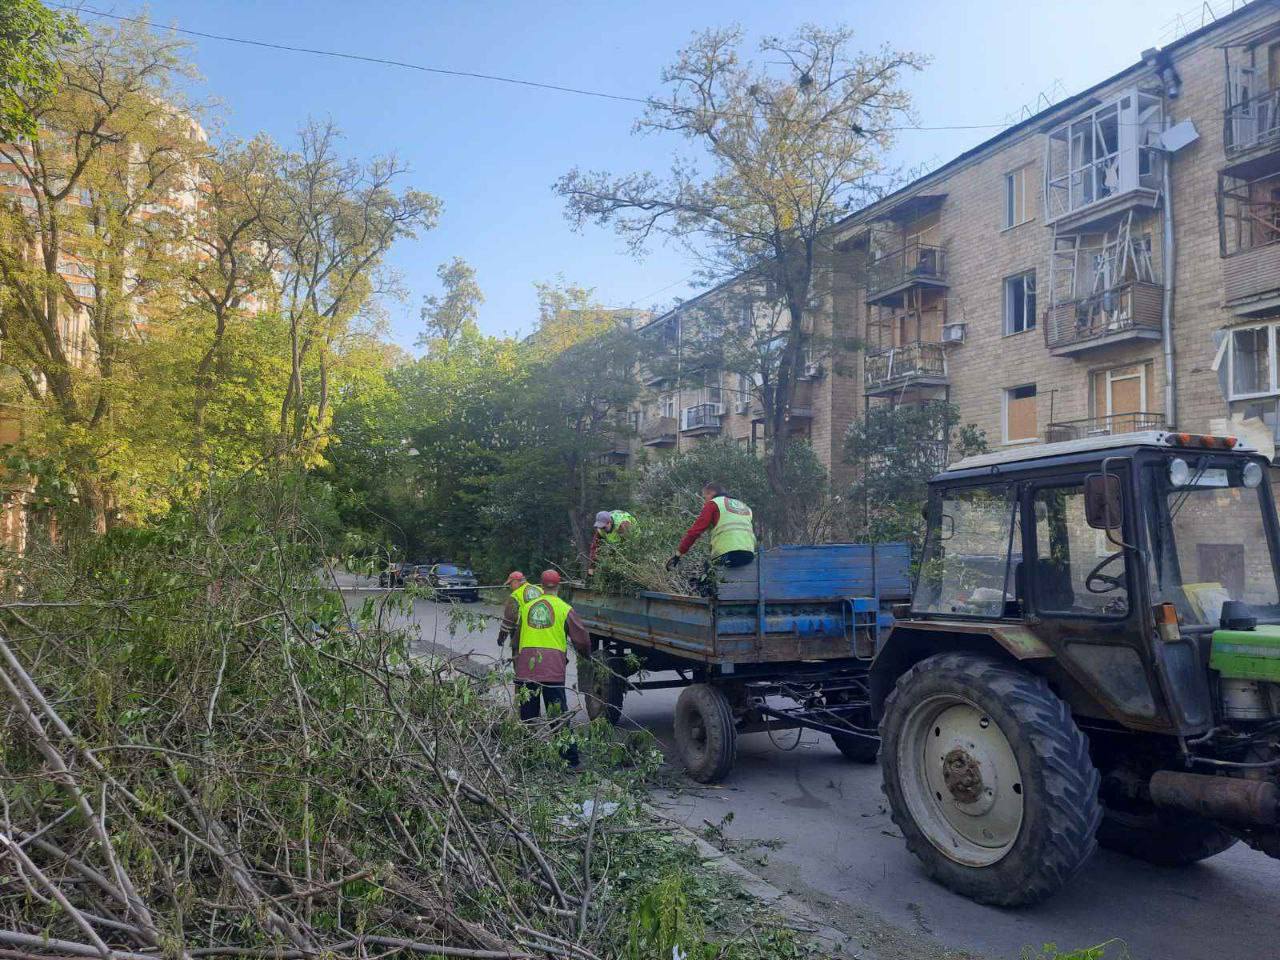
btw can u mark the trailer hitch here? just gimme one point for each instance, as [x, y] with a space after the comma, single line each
[1254, 803]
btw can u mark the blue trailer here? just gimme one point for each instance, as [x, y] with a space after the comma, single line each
[786, 642]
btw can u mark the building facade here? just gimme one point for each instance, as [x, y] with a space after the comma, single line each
[1108, 265]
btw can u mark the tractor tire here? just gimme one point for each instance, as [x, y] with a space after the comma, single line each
[706, 734]
[856, 749]
[1162, 837]
[604, 687]
[988, 778]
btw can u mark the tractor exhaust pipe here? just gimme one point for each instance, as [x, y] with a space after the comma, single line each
[1254, 803]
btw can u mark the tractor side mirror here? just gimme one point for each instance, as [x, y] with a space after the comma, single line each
[1103, 501]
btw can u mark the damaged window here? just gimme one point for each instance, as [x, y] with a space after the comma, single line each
[1250, 368]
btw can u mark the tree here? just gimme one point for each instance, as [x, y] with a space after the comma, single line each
[31, 39]
[331, 222]
[895, 450]
[794, 141]
[446, 316]
[102, 178]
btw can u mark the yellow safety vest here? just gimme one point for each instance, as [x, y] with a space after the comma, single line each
[733, 529]
[525, 593]
[542, 624]
[619, 518]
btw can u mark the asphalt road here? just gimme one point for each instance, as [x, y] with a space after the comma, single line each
[839, 852]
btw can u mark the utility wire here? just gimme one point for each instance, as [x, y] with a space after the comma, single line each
[442, 71]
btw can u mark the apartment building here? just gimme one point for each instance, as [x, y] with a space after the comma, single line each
[1110, 264]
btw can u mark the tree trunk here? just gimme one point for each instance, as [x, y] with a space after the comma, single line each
[93, 501]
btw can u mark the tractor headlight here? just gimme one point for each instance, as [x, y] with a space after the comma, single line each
[1251, 474]
[1179, 472]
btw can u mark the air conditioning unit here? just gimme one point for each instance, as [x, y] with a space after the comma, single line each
[742, 406]
[953, 333]
[812, 371]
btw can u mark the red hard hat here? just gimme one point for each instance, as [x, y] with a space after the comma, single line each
[550, 578]
[514, 576]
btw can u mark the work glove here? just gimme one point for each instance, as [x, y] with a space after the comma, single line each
[674, 561]
[502, 637]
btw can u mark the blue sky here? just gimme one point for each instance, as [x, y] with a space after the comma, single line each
[492, 151]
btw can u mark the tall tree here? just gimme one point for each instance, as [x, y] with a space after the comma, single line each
[31, 39]
[85, 246]
[794, 140]
[456, 310]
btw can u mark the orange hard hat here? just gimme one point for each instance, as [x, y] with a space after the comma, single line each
[550, 578]
[515, 576]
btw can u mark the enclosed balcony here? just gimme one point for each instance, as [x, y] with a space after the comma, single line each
[1127, 311]
[1253, 124]
[658, 432]
[1249, 225]
[1103, 161]
[891, 275]
[1103, 426]
[702, 419]
[910, 365]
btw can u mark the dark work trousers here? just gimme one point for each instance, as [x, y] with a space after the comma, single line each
[552, 697]
[734, 558]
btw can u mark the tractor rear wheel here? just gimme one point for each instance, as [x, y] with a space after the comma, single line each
[988, 778]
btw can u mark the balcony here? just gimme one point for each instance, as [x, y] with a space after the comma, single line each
[1103, 162]
[1128, 312]
[914, 364]
[1249, 224]
[701, 419]
[891, 275]
[1103, 426]
[1252, 125]
[660, 432]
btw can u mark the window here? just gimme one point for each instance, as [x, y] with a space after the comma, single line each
[1020, 414]
[667, 405]
[1020, 303]
[1077, 569]
[966, 566]
[1017, 197]
[1121, 394]
[1250, 370]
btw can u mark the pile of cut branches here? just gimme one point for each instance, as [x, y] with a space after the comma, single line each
[207, 754]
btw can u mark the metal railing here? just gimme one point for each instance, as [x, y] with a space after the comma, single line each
[1103, 426]
[1128, 306]
[1253, 122]
[919, 359]
[915, 261]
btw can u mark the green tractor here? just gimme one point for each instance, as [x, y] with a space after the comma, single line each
[1091, 657]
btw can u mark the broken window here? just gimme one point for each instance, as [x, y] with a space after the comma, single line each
[1020, 413]
[1020, 302]
[1250, 368]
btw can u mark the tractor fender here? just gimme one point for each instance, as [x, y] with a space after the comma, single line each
[909, 642]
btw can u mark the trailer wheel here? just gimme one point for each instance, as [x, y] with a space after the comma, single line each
[706, 735]
[988, 778]
[1162, 837]
[605, 687]
[856, 749]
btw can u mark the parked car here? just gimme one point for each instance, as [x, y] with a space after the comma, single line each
[393, 576]
[454, 582]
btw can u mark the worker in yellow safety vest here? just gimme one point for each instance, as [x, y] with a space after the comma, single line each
[611, 526]
[522, 592]
[733, 538]
[547, 625]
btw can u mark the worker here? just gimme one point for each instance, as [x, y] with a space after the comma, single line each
[733, 541]
[547, 624]
[522, 592]
[610, 527]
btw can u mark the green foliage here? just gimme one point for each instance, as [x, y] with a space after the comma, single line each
[1113, 949]
[674, 485]
[894, 451]
[31, 36]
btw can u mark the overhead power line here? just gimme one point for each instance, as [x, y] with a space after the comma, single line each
[445, 72]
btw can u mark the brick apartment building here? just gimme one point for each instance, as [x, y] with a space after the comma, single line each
[1048, 280]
